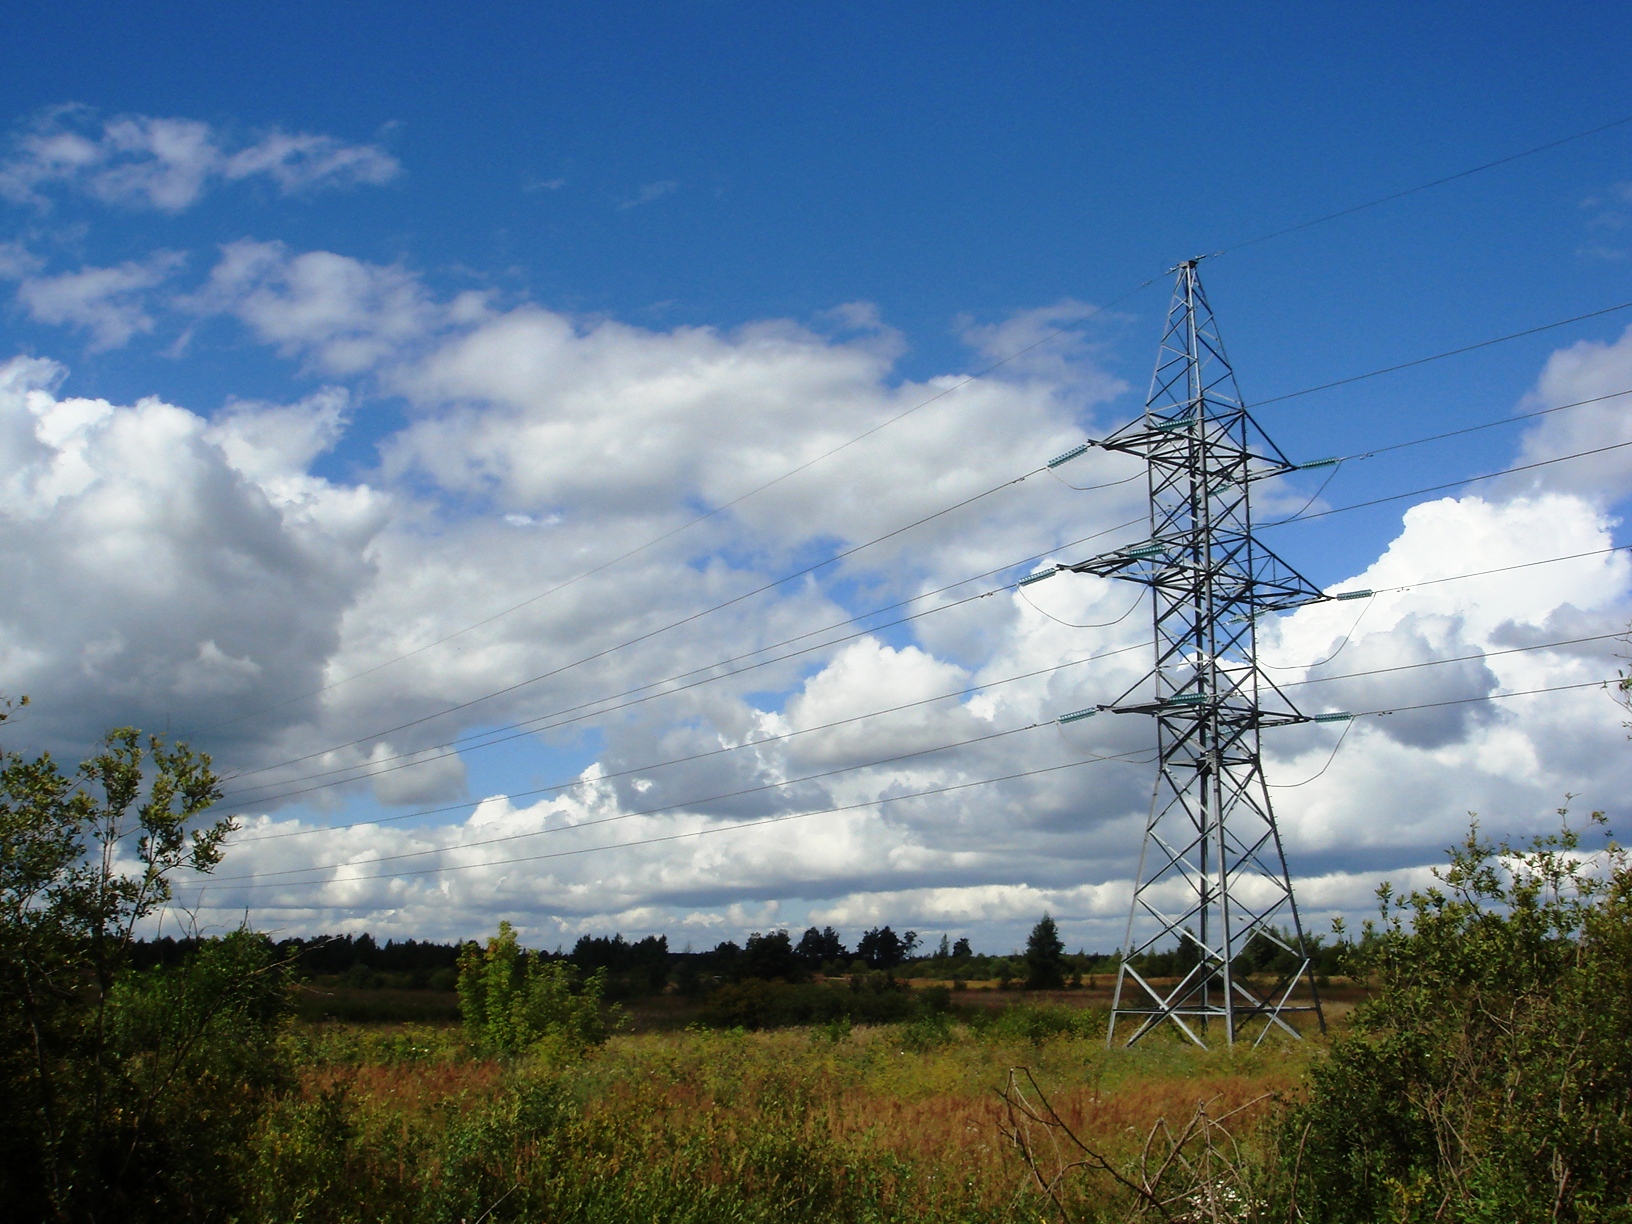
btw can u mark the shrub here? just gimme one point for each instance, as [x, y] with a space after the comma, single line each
[512, 1000]
[198, 1062]
[929, 1031]
[1036, 1024]
[129, 1094]
[1490, 1077]
[935, 999]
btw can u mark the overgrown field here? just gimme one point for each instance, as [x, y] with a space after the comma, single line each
[887, 1122]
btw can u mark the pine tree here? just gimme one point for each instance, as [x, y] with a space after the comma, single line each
[1045, 957]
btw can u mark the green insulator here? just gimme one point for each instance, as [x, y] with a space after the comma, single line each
[1039, 576]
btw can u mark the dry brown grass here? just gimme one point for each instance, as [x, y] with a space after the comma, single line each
[930, 1117]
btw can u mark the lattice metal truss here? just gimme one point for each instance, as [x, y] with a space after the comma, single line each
[1212, 872]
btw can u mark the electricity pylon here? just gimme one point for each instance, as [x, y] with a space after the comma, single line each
[1212, 872]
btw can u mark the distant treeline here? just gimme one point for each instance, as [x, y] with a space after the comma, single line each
[351, 960]
[647, 966]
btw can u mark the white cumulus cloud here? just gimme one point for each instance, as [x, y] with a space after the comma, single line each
[107, 302]
[148, 576]
[341, 315]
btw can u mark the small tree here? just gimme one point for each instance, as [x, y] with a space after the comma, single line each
[771, 956]
[126, 1093]
[511, 999]
[817, 948]
[1045, 957]
[882, 948]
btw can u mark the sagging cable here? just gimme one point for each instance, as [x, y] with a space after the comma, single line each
[1336, 748]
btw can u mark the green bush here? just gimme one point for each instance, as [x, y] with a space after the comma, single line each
[129, 1094]
[198, 1062]
[1037, 1024]
[1490, 1076]
[929, 1031]
[511, 1000]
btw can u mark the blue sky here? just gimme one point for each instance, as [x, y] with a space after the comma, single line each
[976, 174]
[719, 163]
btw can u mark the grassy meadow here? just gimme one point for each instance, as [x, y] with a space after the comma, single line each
[669, 1120]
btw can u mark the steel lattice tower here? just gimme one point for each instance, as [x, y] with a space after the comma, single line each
[1212, 873]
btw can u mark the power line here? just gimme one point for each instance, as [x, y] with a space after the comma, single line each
[1479, 657]
[871, 803]
[580, 713]
[996, 735]
[1338, 462]
[655, 765]
[1337, 466]
[1394, 446]
[1341, 646]
[690, 523]
[1453, 484]
[746, 824]
[1439, 182]
[1502, 569]
[530, 726]
[699, 756]
[1336, 748]
[1094, 488]
[685, 620]
[696, 802]
[1133, 607]
[1507, 420]
[1371, 597]
[1434, 705]
[994, 366]
[1299, 517]
[1456, 352]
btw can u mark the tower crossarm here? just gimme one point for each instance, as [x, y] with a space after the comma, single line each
[1147, 437]
[1270, 586]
